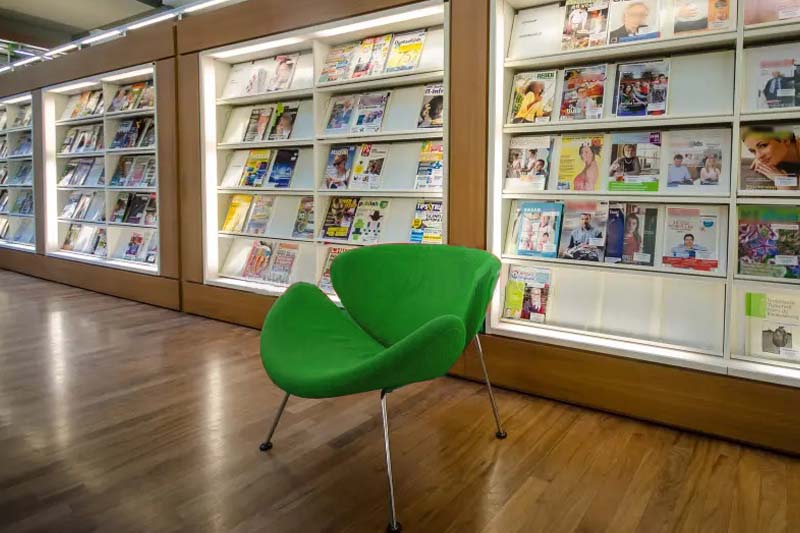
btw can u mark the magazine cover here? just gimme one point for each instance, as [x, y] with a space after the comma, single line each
[368, 166]
[120, 207]
[405, 51]
[137, 208]
[285, 115]
[527, 291]
[762, 11]
[692, 16]
[134, 248]
[584, 230]
[70, 237]
[151, 252]
[260, 213]
[426, 227]
[280, 271]
[770, 158]
[695, 159]
[532, 97]
[430, 169]
[691, 237]
[325, 284]
[773, 326]
[255, 168]
[528, 163]
[635, 162]
[339, 219]
[615, 232]
[369, 57]
[585, 24]
[633, 20]
[360, 60]
[340, 114]
[337, 63]
[432, 113]
[536, 29]
[280, 176]
[641, 230]
[539, 228]
[369, 218]
[370, 111]
[96, 212]
[257, 124]
[282, 72]
[777, 80]
[580, 162]
[237, 213]
[337, 170]
[769, 241]
[101, 243]
[582, 93]
[258, 261]
[304, 222]
[642, 89]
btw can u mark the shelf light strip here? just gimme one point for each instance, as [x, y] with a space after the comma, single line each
[381, 21]
[130, 74]
[258, 47]
[80, 85]
[18, 99]
[101, 36]
[154, 20]
[204, 5]
[61, 49]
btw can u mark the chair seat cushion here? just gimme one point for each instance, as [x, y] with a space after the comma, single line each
[313, 349]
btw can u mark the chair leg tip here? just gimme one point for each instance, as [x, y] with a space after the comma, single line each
[265, 446]
[397, 528]
[501, 435]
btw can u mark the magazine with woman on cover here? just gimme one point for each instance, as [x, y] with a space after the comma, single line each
[697, 160]
[532, 97]
[635, 162]
[770, 158]
[580, 161]
[642, 89]
[582, 93]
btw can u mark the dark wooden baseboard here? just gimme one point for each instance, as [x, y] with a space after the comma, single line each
[229, 305]
[154, 290]
[752, 412]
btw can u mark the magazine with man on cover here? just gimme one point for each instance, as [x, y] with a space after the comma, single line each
[691, 237]
[583, 234]
[527, 293]
[585, 24]
[582, 93]
[633, 20]
[642, 89]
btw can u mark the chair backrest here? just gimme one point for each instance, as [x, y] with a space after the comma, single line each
[392, 289]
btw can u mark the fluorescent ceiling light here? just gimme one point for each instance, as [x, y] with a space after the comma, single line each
[258, 47]
[389, 19]
[27, 61]
[18, 99]
[24, 52]
[154, 20]
[130, 74]
[3, 69]
[203, 5]
[80, 85]
[61, 49]
[101, 36]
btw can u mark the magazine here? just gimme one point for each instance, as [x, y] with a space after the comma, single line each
[258, 123]
[527, 292]
[285, 115]
[70, 237]
[80, 209]
[257, 261]
[535, 228]
[769, 241]
[280, 176]
[582, 93]
[137, 208]
[370, 111]
[368, 166]
[369, 218]
[339, 166]
[26, 232]
[337, 63]
[325, 279]
[283, 72]
[280, 271]
[691, 235]
[770, 158]
[133, 249]
[96, 212]
[700, 15]
[585, 24]
[763, 11]
[695, 159]
[528, 163]
[642, 89]
[426, 226]
[255, 168]
[580, 161]
[774, 76]
[237, 213]
[95, 173]
[635, 162]
[536, 31]
[260, 213]
[304, 222]
[340, 114]
[633, 20]
[584, 230]
[773, 325]
[120, 207]
[405, 51]
[430, 170]
[23, 205]
[339, 219]
[431, 114]
[638, 237]
[101, 243]
[369, 57]
[532, 97]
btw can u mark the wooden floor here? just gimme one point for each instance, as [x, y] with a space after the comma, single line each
[117, 416]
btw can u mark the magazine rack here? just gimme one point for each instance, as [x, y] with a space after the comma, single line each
[17, 226]
[657, 313]
[224, 119]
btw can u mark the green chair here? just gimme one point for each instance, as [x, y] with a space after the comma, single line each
[409, 313]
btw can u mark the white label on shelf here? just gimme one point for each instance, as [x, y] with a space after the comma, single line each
[790, 353]
[786, 260]
[786, 181]
[597, 241]
[788, 12]
[641, 257]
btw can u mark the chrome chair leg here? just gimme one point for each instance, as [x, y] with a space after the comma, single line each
[394, 526]
[267, 444]
[500, 434]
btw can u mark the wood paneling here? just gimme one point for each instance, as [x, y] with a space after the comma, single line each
[168, 168]
[140, 46]
[468, 122]
[239, 307]
[152, 290]
[190, 168]
[739, 409]
[37, 102]
[235, 23]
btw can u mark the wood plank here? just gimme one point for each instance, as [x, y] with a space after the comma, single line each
[238, 307]
[168, 224]
[39, 182]
[748, 411]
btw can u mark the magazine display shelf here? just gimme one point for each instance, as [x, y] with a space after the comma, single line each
[661, 314]
[20, 228]
[118, 234]
[225, 252]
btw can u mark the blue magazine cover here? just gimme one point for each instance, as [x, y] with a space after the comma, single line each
[539, 228]
[283, 168]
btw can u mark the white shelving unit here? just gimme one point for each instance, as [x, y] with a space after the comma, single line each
[679, 317]
[17, 227]
[118, 234]
[225, 253]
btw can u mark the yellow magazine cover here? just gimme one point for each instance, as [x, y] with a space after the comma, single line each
[237, 213]
[256, 168]
[580, 162]
[405, 51]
